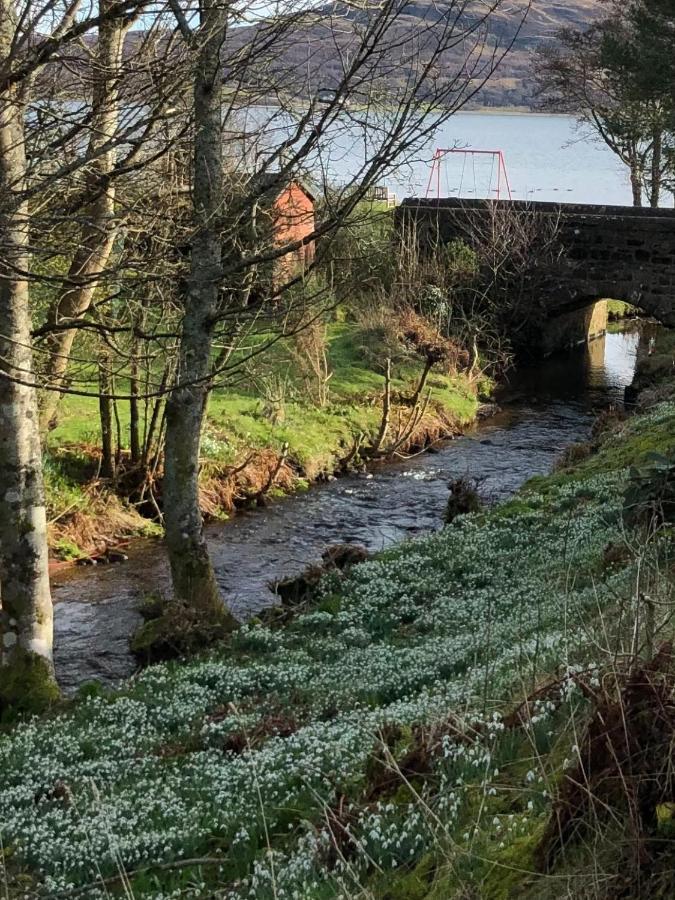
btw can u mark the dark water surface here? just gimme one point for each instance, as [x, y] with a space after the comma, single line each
[545, 409]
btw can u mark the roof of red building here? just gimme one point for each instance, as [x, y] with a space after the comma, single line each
[276, 185]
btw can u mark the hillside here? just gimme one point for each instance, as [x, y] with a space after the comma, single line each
[512, 83]
[316, 51]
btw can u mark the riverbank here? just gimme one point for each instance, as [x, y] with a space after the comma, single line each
[401, 736]
[264, 437]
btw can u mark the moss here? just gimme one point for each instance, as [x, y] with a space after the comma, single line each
[512, 868]
[173, 629]
[619, 309]
[410, 885]
[27, 686]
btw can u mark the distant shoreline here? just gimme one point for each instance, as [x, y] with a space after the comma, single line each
[513, 111]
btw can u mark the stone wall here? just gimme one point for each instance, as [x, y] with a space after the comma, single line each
[613, 252]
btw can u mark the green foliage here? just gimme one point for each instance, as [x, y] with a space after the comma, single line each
[66, 550]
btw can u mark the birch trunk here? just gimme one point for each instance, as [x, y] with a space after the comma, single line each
[26, 667]
[636, 183]
[657, 154]
[191, 570]
[98, 229]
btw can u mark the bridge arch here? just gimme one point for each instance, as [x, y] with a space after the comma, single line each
[618, 252]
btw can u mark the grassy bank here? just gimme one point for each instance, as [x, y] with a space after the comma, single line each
[250, 427]
[403, 736]
[619, 309]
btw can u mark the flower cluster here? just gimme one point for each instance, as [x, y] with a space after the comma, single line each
[204, 759]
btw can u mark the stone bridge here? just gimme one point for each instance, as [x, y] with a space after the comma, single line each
[608, 252]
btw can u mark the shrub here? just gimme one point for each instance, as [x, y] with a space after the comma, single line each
[463, 498]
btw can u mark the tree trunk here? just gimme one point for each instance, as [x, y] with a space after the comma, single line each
[657, 154]
[26, 667]
[99, 229]
[134, 418]
[191, 570]
[106, 417]
[421, 384]
[636, 183]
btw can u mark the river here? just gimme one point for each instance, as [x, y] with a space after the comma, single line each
[544, 409]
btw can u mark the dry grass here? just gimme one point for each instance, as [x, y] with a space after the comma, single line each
[224, 489]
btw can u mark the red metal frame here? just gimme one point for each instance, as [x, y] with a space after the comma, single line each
[442, 152]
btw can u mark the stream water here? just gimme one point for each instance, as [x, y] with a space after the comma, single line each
[544, 409]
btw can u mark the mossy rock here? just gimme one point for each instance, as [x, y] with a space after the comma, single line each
[27, 686]
[174, 630]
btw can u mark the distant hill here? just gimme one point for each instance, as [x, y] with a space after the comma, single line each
[512, 83]
[314, 50]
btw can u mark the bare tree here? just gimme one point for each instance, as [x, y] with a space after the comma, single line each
[99, 226]
[370, 43]
[480, 270]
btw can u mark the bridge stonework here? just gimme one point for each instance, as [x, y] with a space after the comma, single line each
[609, 252]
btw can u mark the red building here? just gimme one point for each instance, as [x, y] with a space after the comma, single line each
[291, 210]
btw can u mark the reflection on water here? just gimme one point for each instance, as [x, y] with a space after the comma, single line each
[587, 376]
[546, 408]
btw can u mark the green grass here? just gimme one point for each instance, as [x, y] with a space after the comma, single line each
[630, 442]
[239, 420]
[238, 411]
